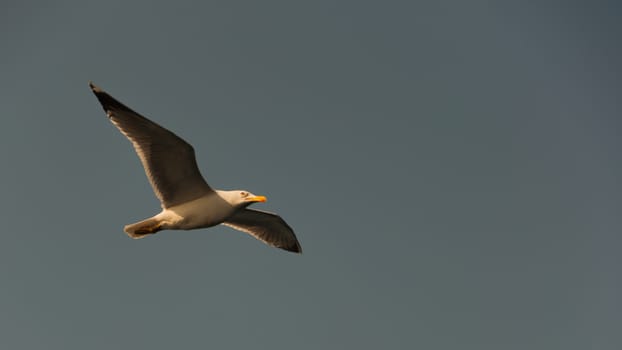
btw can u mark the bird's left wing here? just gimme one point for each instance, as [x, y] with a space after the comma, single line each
[168, 160]
[267, 227]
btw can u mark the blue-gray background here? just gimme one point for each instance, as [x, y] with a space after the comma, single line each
[451, 168]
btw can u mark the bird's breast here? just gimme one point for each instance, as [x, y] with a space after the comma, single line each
[206, 211]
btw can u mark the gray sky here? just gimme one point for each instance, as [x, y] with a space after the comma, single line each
[451, 169]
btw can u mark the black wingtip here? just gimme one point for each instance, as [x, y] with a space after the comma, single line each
[93, 87]
[108, 102]
[296, 248]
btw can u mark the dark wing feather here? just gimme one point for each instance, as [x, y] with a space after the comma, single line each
[168, 160]
[267, 227]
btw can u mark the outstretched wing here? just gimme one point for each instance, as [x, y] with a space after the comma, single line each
[168, 160]
[267, 227]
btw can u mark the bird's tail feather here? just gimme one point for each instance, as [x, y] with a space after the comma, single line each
[143, 228]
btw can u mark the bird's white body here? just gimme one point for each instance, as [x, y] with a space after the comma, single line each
[209, 210]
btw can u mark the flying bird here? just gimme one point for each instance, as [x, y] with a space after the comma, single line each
[188, 202]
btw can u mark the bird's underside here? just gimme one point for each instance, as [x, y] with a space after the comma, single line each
[188, 202]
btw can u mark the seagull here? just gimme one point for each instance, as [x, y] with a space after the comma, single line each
[187, 201]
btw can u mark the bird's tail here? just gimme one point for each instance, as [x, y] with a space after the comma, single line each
[143, 228]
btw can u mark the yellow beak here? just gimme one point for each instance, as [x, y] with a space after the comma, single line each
[257, 199]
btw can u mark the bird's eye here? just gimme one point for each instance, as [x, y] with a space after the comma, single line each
[243, 194]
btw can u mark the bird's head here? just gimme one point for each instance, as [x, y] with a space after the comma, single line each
[241, 198]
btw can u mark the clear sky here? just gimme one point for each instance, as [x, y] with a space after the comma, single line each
[451, 168]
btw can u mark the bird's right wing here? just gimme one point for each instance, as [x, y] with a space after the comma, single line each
[168, 160]
[267, 227]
